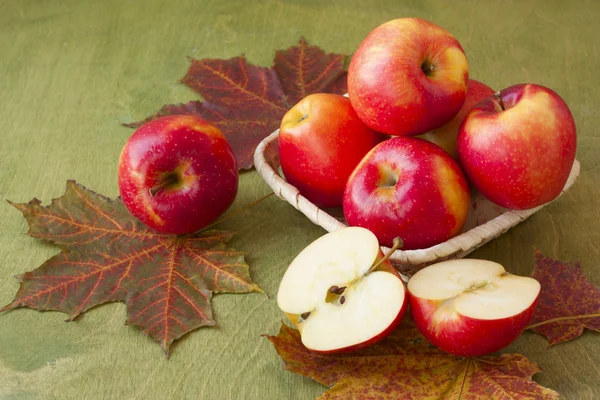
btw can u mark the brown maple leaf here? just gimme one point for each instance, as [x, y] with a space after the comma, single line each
[406, 366]
[166, 281]
[568, 302]
[247, 102]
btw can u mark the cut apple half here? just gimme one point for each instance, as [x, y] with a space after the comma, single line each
[338, 297]
[471, 307]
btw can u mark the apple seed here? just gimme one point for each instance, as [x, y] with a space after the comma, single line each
[337, 290]
[303, 316]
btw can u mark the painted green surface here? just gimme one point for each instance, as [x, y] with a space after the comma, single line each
[72, 71]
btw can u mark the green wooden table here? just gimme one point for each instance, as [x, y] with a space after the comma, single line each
[72, 71]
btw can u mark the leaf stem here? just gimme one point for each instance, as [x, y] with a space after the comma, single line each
[238, 211]
[549, 321]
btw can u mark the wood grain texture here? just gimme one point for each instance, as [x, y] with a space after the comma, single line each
[72, 71]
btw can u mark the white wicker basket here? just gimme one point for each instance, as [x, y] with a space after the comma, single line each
[486, 221]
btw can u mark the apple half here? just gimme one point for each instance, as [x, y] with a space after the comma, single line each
[342, 293]
[471, 307]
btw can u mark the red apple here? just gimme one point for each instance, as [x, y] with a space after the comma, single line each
[471, 307]
[410, 188]
[341, 292]
[321, 140]
[407, 77]
[177, 174]
[445, 136]
[518, 148]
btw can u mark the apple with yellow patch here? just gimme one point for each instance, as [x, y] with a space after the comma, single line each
[177, 174]
[471, 307]
[409, 188]
[321, 140]
[518, 146]
[342, 293]
[446, 135]
[407, 77]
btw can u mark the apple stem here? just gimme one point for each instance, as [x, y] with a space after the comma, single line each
[499, 97]
[398, 242]
[427, 67]
[166, 181]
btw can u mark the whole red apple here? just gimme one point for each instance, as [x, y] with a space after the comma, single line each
[407, 77]
[410, 188]
[445, 136]
[518, 148]
[177, 174]
[321, 141]
[471, 307]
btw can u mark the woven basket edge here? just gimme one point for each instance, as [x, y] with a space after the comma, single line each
[456, 247]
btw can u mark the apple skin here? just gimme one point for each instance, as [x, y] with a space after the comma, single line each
[387, 84]
[410, 188]
[384, 266]
[462, 336]
[321, 141]
[194, 161]
[520, 157]
[445, 136]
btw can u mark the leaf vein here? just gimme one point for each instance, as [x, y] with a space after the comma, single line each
[243, 89]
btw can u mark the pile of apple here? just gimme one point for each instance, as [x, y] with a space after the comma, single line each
[410, 78]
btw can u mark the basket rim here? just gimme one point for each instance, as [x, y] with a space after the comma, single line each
[458, 246]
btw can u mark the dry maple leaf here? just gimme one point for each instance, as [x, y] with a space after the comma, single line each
[406, 366]
[166, 281]
[568, 302]
[247, 102]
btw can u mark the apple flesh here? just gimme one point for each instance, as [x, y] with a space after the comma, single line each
[321, 140]
[445, 136]
[409, 188]
[177, 174]
[471, 307]
[518, 148]
[335, 297]
[407, 77]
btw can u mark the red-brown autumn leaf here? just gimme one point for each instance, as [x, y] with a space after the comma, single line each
[405, 366]
[166, 281]
[247, 102]
[568, 302]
